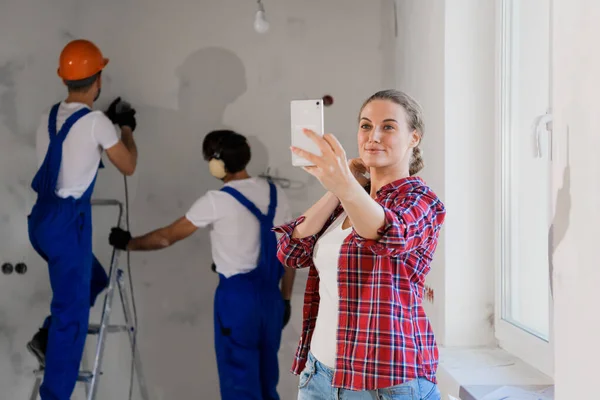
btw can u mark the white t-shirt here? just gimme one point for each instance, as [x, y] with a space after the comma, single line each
[82, 148]
[326, 255]
[235, 234]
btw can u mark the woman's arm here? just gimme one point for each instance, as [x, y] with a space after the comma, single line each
[298, 237]
[367, 216]
[316, 216]
[335, 174]
[410, 220]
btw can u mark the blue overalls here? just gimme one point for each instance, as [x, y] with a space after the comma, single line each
[60, 230]
[249, 318]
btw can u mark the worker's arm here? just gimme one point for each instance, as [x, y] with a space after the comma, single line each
[155, 240]
[202, 213]
[124, 154]
[287, 283]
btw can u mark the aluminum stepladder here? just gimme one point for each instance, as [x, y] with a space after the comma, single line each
[115, 278]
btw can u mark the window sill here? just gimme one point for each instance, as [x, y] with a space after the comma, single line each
[472, 374]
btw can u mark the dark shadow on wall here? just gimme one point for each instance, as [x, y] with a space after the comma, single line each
[210, 80]
[8, 93]
[171, 168]
[560, 222]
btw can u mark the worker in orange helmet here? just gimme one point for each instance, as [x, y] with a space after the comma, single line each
[70, 141]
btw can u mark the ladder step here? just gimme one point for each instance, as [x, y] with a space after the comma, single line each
[84, 376]
[94, 329]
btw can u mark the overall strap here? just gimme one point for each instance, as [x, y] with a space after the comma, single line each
[272, 201]
[52, 120]
[46, 178]
[64, 130]
[244, 201]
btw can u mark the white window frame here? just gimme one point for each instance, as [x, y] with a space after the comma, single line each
[530, 348]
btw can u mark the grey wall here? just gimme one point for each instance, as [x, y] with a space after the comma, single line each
[188, 67]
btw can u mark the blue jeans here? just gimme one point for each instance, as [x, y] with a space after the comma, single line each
[316, 379]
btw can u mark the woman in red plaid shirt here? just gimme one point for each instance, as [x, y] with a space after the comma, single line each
[365, 334]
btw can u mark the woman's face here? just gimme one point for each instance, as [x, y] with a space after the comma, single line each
[384, 138]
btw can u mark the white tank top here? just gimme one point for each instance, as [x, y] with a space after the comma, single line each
[325, 257]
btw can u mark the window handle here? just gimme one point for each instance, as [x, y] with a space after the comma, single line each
[543, 123]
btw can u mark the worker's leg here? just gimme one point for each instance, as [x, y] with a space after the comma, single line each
[237, 333]
[70, 264]
[32, 225]
[99, 280]
[270, 343]
[38, 344]
[98, 283]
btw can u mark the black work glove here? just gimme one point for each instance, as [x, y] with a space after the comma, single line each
[127, 118]
[287, 313]
[111, 112]
[121, 118]
[119, 238]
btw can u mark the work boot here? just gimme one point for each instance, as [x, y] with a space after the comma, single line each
[37, 346]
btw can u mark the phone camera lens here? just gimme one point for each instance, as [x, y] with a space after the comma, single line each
[318, 102]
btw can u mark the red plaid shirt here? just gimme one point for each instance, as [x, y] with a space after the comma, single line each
[384, 337]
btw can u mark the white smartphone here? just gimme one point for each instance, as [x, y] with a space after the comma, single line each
[306, 114]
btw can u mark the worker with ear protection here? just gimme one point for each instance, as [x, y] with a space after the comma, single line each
[70, 141]
[250, 308]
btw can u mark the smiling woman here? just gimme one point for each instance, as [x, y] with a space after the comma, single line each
[409, 117]
[364, 329]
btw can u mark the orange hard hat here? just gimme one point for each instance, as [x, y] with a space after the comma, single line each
[80, 59]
